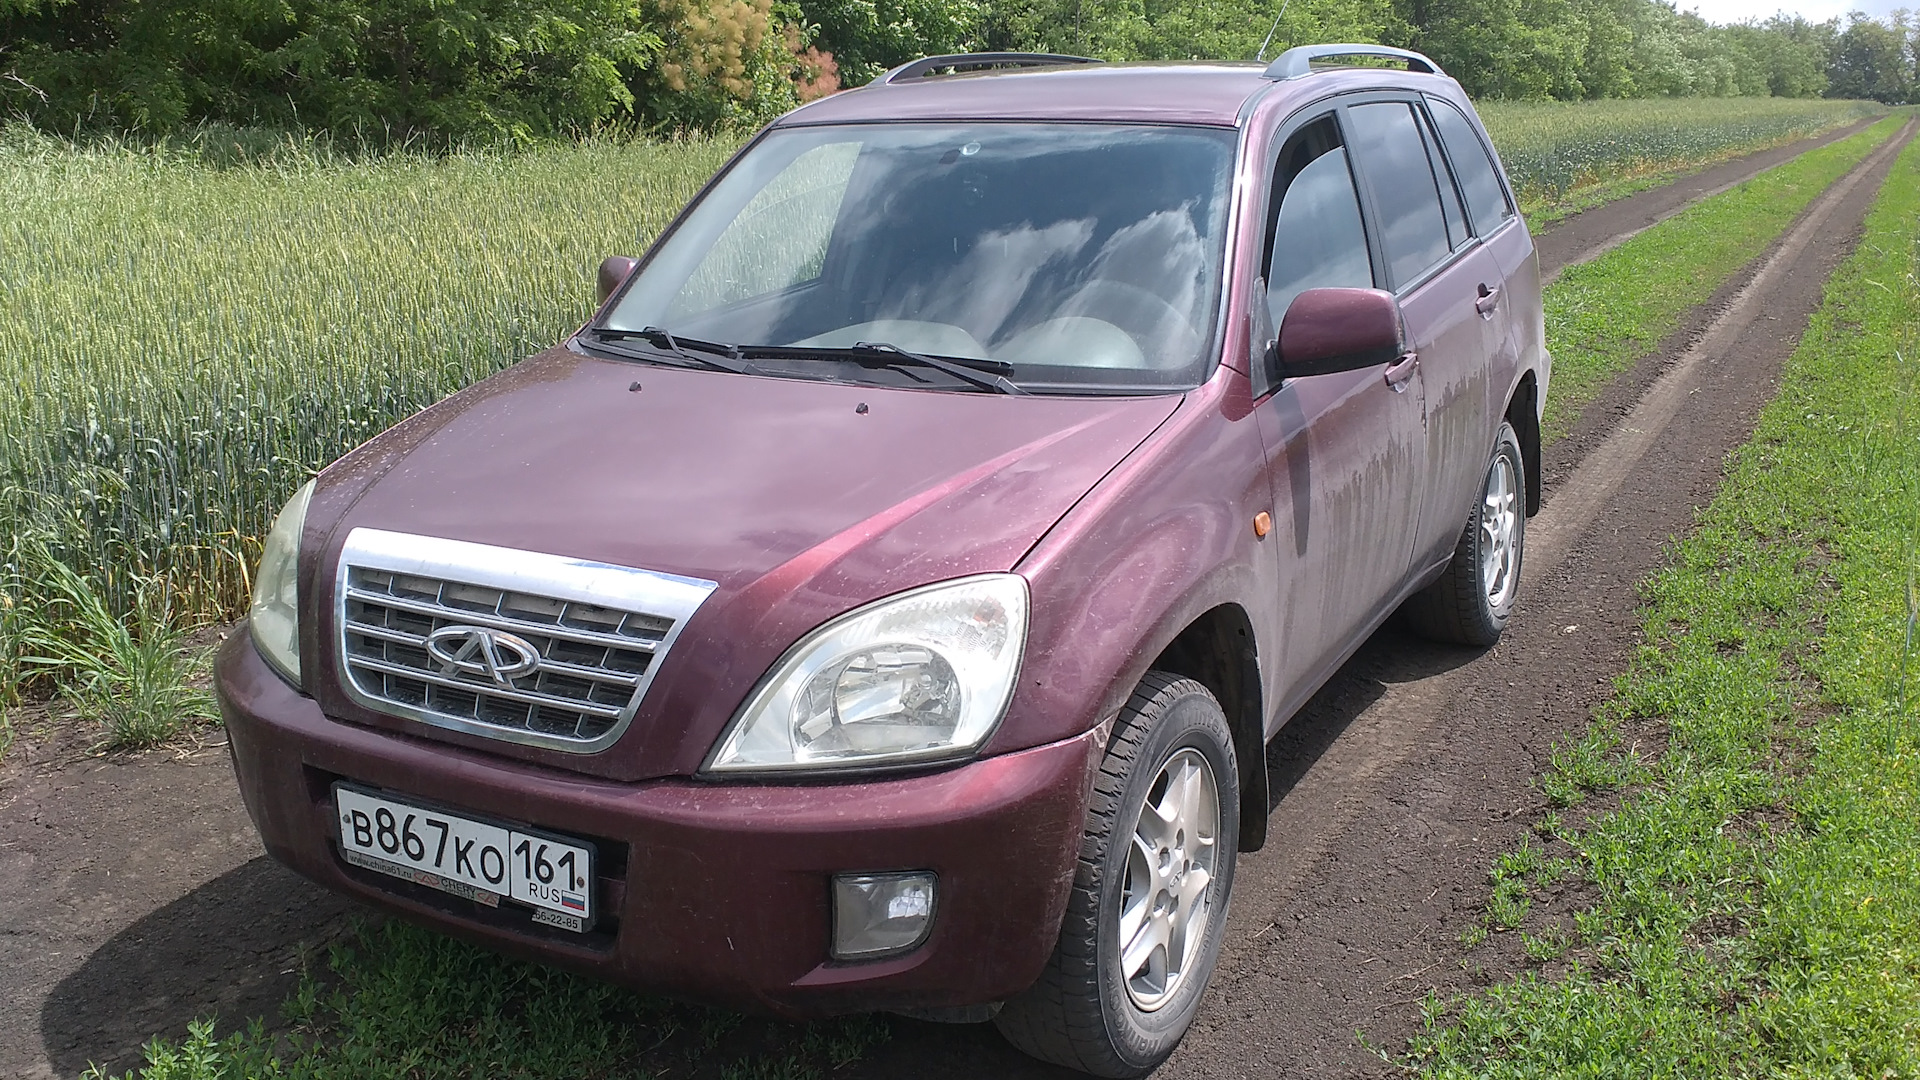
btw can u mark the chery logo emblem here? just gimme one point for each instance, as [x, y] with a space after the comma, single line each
[476, 650]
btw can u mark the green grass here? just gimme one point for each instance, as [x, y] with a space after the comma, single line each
[1560, 155]
[1604, 315]
[1759, 874]
[405, 1004]
[132, 677]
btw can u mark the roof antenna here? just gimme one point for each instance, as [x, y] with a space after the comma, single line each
[1262, 54]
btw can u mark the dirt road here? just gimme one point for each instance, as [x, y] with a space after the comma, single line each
[133, 895]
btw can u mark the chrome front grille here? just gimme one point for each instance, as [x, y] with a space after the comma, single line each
[514, 645]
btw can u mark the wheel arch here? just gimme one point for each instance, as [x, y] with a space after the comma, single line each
[1523, 412]
[1218, 651]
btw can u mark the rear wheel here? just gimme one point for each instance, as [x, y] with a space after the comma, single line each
[1149, 901]
[1471, 601]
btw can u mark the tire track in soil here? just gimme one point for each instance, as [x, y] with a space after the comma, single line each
[134, 895]
[1399, 783]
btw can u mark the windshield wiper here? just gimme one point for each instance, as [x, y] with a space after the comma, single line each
[985, 374]
[717, 356]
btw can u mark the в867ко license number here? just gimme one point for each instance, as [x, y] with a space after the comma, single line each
[474, 859]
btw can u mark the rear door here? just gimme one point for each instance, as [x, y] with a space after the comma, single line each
[1517, 318]
[1449, 287]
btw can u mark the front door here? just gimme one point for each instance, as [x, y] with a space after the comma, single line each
[1344, 451]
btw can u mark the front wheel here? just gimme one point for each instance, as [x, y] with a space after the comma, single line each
[1149, 901]
[1471, 601]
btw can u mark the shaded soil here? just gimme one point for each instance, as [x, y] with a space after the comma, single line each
[134, 895]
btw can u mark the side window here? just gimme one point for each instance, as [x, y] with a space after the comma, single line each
[1393, 157]
[1314, 235]
[1486, 199]
[1457, 232]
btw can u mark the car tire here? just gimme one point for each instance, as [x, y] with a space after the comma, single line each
[1471, 601]
[1170, 748]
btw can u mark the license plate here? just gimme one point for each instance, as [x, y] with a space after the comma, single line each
[479, 860]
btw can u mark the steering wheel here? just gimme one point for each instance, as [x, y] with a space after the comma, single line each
[1161, 330]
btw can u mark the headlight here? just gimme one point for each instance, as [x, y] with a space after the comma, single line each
[923, 675]
[276, 604]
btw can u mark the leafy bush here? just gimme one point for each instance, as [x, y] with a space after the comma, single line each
[407, 70]
[866, 37]
[730, 64]
[473, 69]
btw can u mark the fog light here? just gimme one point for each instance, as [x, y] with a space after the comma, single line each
[878, 914]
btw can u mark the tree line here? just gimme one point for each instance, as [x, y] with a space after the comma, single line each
[451, 70]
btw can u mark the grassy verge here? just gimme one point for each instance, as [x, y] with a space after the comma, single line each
[1604, 315]
[405, 1004]
[1758, 875]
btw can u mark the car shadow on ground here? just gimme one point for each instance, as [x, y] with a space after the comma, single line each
[230, 949]
[1390, 657]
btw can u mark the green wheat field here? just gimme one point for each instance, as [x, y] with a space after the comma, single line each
[188, 334]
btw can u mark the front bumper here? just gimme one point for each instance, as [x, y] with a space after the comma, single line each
[709, 890]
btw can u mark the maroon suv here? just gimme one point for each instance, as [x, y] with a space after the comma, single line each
[884, 603]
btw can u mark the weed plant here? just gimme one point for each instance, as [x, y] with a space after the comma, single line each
[132, 676]
[1759, 881]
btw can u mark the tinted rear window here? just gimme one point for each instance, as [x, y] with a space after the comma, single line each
[1486, 199]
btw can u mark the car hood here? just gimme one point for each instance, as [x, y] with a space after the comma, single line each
[800, 499]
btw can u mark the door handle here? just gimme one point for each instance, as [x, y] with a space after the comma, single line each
[1401, 370]
[1486, 301]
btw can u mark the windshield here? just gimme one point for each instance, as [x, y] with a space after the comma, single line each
[1083, 255]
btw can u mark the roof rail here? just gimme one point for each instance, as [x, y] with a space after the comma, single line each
[1298, 60]
[920, 69]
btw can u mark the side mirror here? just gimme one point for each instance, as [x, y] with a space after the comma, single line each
[1329, 330]
[613, 271]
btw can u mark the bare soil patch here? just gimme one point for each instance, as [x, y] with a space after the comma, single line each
[134, 895]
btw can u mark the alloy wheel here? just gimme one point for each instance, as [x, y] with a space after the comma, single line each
[1164, 906]
[1500, 533]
